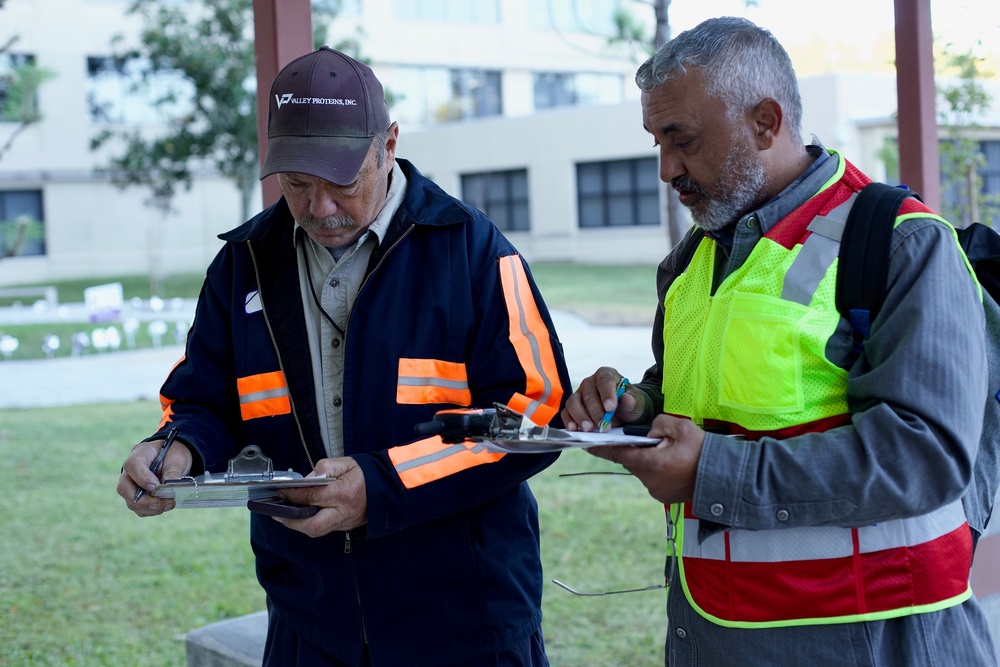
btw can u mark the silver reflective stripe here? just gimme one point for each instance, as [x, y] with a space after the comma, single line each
[263, 395]
[816, 254]
[815, 543]
[432, 382]
[439, 456]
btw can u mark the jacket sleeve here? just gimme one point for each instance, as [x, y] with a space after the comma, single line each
[514, 357]
[198, 395]
[916, 397]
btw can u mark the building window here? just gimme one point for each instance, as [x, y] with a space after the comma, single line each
[619, 193]
[12, 109]
[481, 12]
[428, 95]
[594, 16]
[22, 231]
[991, 178]
[501, 195]
[117, 92]
[561, 89]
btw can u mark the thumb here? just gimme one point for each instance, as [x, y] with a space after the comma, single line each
[333, 467]
[177, 464]
[630, 407]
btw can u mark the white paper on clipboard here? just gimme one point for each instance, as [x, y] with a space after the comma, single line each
[556, 439]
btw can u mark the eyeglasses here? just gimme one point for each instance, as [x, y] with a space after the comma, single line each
[671, 540]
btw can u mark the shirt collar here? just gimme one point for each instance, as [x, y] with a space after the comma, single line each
[783, 203]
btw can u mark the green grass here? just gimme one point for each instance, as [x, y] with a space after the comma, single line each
[85, 582]
[599, 293]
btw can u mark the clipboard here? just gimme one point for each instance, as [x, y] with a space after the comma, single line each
[513, 433]
[557, 439]
[250, 476]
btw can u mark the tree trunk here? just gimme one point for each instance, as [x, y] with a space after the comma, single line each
[670, 210]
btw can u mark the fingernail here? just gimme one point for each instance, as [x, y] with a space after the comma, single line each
[609, 405]
[586, 426]
[570, 426]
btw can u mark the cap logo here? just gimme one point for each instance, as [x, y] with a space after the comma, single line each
[289, 98]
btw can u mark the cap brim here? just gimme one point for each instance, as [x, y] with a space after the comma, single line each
[334, 159]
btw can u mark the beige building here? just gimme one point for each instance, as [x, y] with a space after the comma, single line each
[519, 107]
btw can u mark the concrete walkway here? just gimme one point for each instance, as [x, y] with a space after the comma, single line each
[138, 374]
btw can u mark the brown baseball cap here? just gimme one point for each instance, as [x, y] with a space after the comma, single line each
[325, 109]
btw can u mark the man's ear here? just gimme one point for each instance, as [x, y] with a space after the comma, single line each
[767, 117]
[392, 135]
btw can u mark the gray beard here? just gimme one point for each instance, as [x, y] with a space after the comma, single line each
[738, 189]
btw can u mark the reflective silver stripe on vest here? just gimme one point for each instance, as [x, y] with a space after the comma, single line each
[263, 395]
[433, 382]
[814, 543]
[817, 254]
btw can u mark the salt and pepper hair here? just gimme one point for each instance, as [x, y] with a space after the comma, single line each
[741, 62]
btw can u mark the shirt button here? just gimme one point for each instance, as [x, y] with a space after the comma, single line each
[335, 342]
[716, 509]
[335, 282]
[782, 515]
[337, 401]
[751, 223]
[681, 632]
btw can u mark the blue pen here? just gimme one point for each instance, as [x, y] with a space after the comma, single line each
[606, 419]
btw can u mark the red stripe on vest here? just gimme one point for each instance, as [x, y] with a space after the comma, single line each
[828, 588]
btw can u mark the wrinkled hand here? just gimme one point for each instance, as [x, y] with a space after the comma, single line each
[136, 473]
[595, 396]
[343, 501]
[669, 469]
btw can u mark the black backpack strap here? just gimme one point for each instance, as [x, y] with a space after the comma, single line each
[863, 264]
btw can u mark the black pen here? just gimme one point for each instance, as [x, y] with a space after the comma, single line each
[158, 461]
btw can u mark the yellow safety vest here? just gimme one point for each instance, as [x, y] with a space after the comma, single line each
[751, 357]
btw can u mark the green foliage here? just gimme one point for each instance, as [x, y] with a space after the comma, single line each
[211, 46]
[14, 234]
[20, 101]
[87, 583]
[961, 105]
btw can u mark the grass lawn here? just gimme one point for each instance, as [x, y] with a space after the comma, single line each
[85, 582]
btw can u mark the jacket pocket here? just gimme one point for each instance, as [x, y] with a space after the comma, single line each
[760, 362]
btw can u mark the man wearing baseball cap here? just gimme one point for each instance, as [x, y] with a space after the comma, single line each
[360, 304]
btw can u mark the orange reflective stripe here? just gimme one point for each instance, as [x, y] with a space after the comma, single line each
[422, 381]
[431, 459]
[167, 404]
[542, 414]
[531, 340]
[263, 395]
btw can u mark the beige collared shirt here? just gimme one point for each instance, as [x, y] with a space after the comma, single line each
[335, 284]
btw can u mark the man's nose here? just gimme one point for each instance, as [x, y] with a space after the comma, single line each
[670, 166]
[323, 202]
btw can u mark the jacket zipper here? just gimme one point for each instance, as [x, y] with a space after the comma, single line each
[277, 353]
[347, 534]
